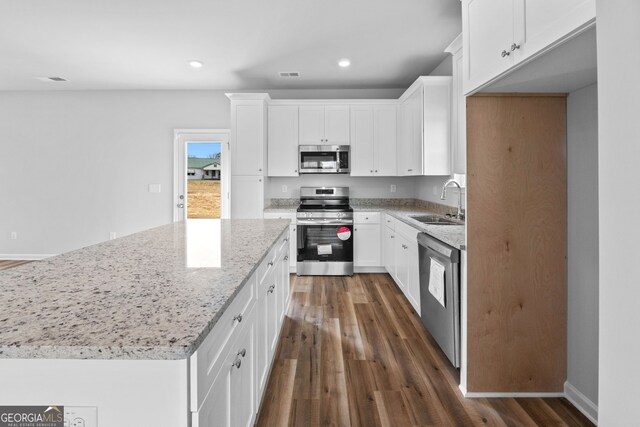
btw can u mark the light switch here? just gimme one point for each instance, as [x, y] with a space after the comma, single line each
[154, 188]
[393, 188]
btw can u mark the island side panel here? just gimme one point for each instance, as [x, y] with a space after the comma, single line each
[127, 393]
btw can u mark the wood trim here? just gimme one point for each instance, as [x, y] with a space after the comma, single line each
[517, 244]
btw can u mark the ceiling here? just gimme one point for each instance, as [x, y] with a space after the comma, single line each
[146, 44]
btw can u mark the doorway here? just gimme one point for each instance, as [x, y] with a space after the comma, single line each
[201, 169]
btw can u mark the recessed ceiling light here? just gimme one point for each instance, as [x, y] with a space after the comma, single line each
[344, 63]
[196, 64]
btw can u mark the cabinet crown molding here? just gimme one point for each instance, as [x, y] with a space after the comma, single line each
[455, 46]
[248, 96]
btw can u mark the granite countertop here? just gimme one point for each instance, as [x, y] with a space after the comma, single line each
[401, 209]
[150, 295]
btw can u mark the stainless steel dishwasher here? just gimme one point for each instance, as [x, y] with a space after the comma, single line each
[440, 305]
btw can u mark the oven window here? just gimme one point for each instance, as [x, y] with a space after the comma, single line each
[319, 160]
[321, 243]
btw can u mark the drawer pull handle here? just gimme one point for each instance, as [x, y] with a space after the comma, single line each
[514, 47]
[242, 352]
[393, 237]
[405, 246]
[237, 363]
[286, 239]
[271, 289]
[238, 317]
[505, 53]
[286, 258]
[270, 264]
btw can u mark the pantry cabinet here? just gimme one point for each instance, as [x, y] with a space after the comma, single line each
[323, 125]
[424, 145]
[374, 132]
[282, 151]
[501, 34]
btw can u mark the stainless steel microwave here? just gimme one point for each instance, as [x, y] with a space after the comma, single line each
[324, 159]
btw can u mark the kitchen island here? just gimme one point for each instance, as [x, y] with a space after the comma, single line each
[122, 325]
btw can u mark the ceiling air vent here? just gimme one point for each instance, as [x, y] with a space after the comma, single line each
[52, 79]
[284, 74]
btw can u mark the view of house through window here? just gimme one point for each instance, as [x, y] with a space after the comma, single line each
[203, 180]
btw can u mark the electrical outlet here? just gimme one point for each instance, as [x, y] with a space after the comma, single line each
[14, 235]
[154, 188]
[284, 188]
[112, 235]
[393, 188]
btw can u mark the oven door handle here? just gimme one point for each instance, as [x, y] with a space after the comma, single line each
[324, 222]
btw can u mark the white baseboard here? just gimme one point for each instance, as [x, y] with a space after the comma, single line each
[475, 394]
[369, 270]
[25, 257]
[581, 402]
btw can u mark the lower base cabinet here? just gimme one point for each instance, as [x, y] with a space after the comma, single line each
[400, 255]
[233, 397]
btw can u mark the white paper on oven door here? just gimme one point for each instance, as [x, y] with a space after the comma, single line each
[324, 250]
[437, 281]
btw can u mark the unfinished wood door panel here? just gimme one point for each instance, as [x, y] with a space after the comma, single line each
[516, 236]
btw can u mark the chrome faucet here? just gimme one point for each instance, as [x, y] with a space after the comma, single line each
[460, 214]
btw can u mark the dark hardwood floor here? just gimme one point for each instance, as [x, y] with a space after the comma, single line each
[353, 352]
[5, 264]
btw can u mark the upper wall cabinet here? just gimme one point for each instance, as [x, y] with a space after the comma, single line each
[248, 134]
[501, 34]
[283, 140]
[374, 132]
[324, 125]
[424, 145]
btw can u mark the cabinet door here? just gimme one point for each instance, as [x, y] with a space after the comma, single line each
[410, 146]
[366, 245]
[284, 289]
[402, 262]
[311, 125]
[336, 124]
[488, 28]
[388, 251]
[385, 136]
[216, 408]
[541, 23]
[436, 124]
[283, 140]
[241, 381]
[247, 197]
[362, 140]
[271, 292]
[247, 138]
[413, 284]
[293, 239]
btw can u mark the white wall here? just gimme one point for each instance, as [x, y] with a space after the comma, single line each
[359, 187]
[76, 165]
[619, 175]
[582, 263]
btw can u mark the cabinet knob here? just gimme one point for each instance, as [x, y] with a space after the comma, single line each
[514, 47]
[505, 53]
[409, 170]
[404, 246]
[260, 180]
[237, 363]
[270, 264]
[286, 257]
[271, 289]
[242, 352]
[238, 317]
[296, 170]
[259, 170]
[376, 171]
[371, 171]
[393, 237]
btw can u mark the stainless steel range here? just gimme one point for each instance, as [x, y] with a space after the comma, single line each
[325, 232]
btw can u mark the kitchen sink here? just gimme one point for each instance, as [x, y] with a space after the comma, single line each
[438, 220]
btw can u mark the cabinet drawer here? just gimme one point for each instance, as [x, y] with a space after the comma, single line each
[408, 231]
[266, 266]
[366, 217]
[281, 215]
[389, 221]
[283, 245]
[206, 361]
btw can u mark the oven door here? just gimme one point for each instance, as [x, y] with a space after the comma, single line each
[325, 247]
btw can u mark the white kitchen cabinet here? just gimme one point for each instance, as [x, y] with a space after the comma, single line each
[247, 197]
[401, 248]
[293, 248]
[283, 140]
[424, 145]
[500, 34]
[388, 251]
[374, 131]
[248, 137]
[231, 399]
[323, 125]
[366, 248]
[458, 109]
